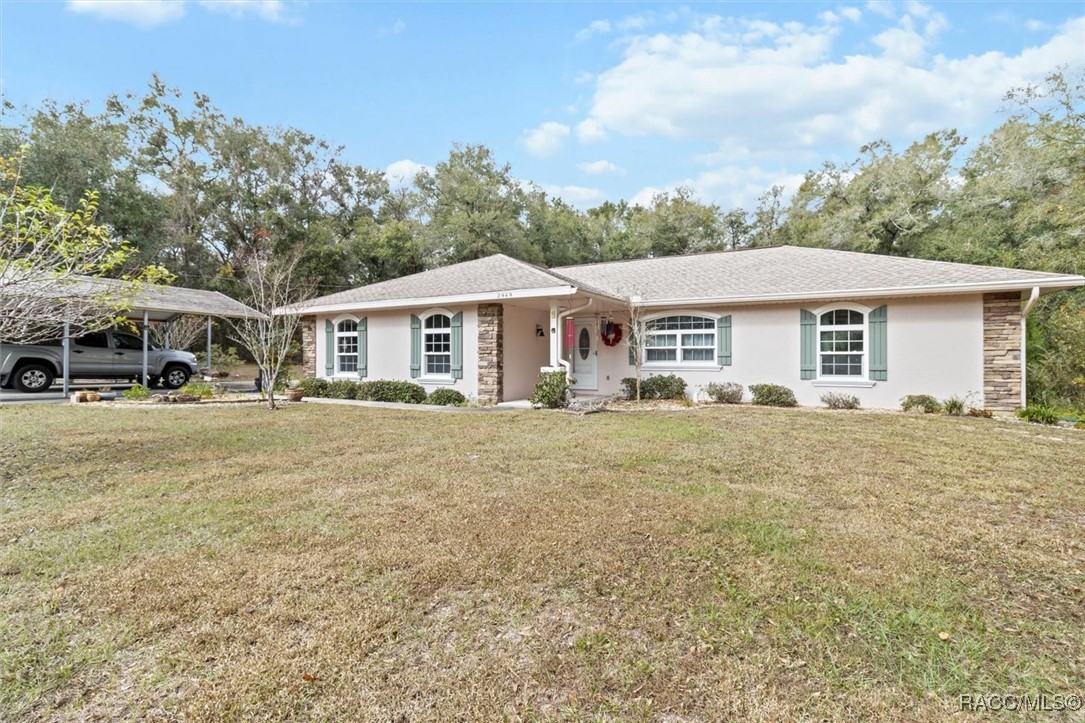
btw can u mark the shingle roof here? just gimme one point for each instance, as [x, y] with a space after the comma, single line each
[491, 274]
[786, 271]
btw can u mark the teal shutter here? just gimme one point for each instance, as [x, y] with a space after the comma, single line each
[457, 345]
[363, 351]
[808, 344]
[632, 346]
[723, 341]
[329, 348]
[879, 362]
[416, 347]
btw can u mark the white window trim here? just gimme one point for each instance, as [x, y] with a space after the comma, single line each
[851, 380]
[679, 365]
[425, 378]
[336, 374]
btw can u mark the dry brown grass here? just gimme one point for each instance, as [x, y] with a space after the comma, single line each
[326, 563]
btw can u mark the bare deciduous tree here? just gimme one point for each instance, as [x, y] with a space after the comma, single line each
[183, 332]
[635, 340]
[272, 283]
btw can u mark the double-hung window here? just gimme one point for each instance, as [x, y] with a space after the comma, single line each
[437, 345]
[346, 346]
[841, 343]
[684, 339]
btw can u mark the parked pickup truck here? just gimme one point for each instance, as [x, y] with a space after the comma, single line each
[97, 355]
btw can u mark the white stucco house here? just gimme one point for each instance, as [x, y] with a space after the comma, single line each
[815, 320]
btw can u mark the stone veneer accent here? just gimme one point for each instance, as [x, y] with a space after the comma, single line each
[308, 345]
[491, 368]
[1002, 351]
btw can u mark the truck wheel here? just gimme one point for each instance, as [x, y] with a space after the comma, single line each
[175, 376]
[33, 378]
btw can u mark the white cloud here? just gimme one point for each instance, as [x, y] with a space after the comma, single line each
[545, 140]
[753, 83]
[1036, 26]
[149, 13]
[579, 196]
[598, 168]
[394, 29]
[266, 9]
[597, 27]
[881, 7]
[143, 13]
[402, 173]
[590, 131]
[644, 196]
[852, 14]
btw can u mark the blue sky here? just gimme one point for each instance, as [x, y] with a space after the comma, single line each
[592, 101]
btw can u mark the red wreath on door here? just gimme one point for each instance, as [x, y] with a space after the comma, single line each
[611, 333]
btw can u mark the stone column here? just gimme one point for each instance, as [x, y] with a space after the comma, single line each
[1002, 353]
[308, 345]
[491, 370]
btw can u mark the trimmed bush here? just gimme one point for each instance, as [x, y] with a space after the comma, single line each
[954, 406]
[313, 387]
[724, 392]
[342, 389]
[835, 400]
[551, 391]
[920, 402]
[445, 397]
[656, 386]
[773, 395]
[1038, 414]
[391, 391]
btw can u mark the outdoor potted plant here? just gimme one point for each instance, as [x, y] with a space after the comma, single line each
[294, 392]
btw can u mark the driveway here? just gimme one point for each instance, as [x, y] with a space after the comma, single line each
[55, 394]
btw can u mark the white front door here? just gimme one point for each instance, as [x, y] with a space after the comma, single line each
[584, 354]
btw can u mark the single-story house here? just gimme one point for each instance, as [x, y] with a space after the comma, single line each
[815, 320]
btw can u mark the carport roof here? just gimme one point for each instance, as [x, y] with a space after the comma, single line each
[160, 302]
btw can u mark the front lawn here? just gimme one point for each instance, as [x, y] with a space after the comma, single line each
[328, 562]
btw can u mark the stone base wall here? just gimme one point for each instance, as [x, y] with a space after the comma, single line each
[1002, 351]
[308, 345]
[491, 370]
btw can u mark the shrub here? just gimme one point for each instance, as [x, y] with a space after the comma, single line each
[203, 390]
[551, 391]
[137, 393]
[724, 392]
[225, 360]
[656, 386]
[773, 395]
[383, 390]
[920, 402]
[313, 387]
[1038, 414]
[835, 400]
[981, 413]
[446, 398]
[954, 406]
[342, 389]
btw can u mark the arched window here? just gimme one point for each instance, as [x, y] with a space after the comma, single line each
[437, 345]
[681, 339]
[841, 343]
[346, 346]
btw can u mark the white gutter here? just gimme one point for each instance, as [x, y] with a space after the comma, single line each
[1066, 282]
[561, 333]
[1032, 298]
[446, 300]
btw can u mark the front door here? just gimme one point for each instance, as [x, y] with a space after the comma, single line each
[584, 354]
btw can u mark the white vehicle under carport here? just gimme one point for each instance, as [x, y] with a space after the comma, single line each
[113, 355]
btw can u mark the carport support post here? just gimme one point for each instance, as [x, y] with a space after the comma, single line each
[209, 347]
[67, 355]
[144, 380]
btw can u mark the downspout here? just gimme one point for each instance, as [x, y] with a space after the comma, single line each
[1033, 297]
[561, 334]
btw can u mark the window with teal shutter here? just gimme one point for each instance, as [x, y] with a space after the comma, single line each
[329, 348]
[723, 341]
[363, 352]
[878, 321]
[808, 344]
[416, 347]
[457, 345]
